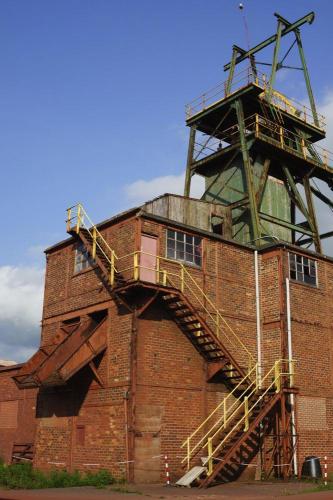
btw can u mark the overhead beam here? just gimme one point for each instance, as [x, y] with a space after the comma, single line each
[323, 236]
[283, 223]
[322, 197]
[288, 29]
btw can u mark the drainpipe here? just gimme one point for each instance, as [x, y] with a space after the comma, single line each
[259, 356]
[292, 396]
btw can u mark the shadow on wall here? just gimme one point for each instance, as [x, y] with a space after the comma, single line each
[66, 401]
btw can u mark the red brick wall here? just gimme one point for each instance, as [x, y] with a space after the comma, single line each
[17, 414]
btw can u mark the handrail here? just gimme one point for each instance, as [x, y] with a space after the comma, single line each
[78, 215]
[243, 79]
[227, 411]
[276, 383]
[76, 219]
[186, 281]
[241, 404]
[266, 129]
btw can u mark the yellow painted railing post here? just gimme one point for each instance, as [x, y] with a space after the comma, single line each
[281, 137]
[257, 377]
[291, 373]
[257, 125]
[94, 243]
[224, 413]
[69, 216]
[188, 453]
[277, 376]
[112, 268]
[182, 279]
[303, 148]
[78, 223]
[246, 414]
[136, 266]
[165, 277]
[158, 270]
[210, 458]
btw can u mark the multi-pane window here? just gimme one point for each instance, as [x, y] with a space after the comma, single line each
[302, 269]
[82, 258]
[185, 247]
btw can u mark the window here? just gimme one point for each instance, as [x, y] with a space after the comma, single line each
[82, 258]
[185, 247]
[302, 269]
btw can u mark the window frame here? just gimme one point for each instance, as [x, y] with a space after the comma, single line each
[86, 262]
[301, 271]
[192, 262]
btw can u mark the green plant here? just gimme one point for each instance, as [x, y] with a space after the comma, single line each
[18, 476]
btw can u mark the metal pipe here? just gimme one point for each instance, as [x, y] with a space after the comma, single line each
[259, 357]
[292, 396]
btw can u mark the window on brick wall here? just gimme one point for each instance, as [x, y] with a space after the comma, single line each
[184, 247]
[302, 269]
[82, 258]
[80, 435]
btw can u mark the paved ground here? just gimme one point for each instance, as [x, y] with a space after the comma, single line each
[242, 491]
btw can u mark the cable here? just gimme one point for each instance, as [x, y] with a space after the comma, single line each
[247, 33]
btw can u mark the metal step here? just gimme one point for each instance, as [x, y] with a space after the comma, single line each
[191, 476]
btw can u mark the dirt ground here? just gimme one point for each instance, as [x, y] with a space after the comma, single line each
[248, 491]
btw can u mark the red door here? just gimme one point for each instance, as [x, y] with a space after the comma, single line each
[148, 258]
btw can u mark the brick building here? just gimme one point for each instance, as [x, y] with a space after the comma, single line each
[197, 329]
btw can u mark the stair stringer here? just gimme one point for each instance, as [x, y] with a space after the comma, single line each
[223, 460]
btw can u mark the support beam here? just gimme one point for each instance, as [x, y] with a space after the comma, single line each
[322, 197]
[188, 175]
[298, 198]
[263, 181]
[275, 60]
[283, 223]
[255, 227]
[312, 214]
[307, 78]
[288, 29]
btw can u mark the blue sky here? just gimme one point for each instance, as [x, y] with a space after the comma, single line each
[92, 96]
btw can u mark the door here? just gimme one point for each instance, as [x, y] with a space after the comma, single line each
[148, 258]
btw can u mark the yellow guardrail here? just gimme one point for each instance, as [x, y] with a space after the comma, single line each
[180, 278]
[167, 272]
[78, 218]
[280, 375]
[220, 416]
[268, 131]
[241, 80]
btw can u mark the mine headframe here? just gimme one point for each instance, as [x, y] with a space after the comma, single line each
[256, 149]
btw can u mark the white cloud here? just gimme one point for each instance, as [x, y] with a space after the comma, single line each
[21, 295]
[143, 190]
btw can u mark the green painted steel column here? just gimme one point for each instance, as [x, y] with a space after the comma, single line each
[255, 224]
[188, 175]
[307, 77]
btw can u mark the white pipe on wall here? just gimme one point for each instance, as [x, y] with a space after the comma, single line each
[259, 356]
[290, 357]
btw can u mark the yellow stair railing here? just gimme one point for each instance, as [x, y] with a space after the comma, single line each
[219, 418]
[167, 272]
[180, 278]
[273, 380]
[78, 218]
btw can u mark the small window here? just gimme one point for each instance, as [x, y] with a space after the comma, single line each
[82, 258]
[302, 269]
[185, 247]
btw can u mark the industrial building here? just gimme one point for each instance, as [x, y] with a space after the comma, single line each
[197, 330]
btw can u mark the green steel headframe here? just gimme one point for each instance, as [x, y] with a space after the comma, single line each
[234, 103]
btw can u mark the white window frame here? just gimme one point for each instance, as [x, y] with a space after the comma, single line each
[82, 259]
[300, 274]
[187, 244]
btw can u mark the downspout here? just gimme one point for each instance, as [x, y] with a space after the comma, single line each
[292, 396]
[258, 317]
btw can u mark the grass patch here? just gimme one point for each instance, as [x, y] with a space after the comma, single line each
[23, 476]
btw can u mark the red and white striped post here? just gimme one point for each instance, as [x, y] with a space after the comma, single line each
[167, 475]
[325, 471]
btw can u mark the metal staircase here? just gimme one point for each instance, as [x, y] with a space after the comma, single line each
[229, 437]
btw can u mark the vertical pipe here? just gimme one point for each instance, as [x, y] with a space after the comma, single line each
[292, 396]
[258, 314]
